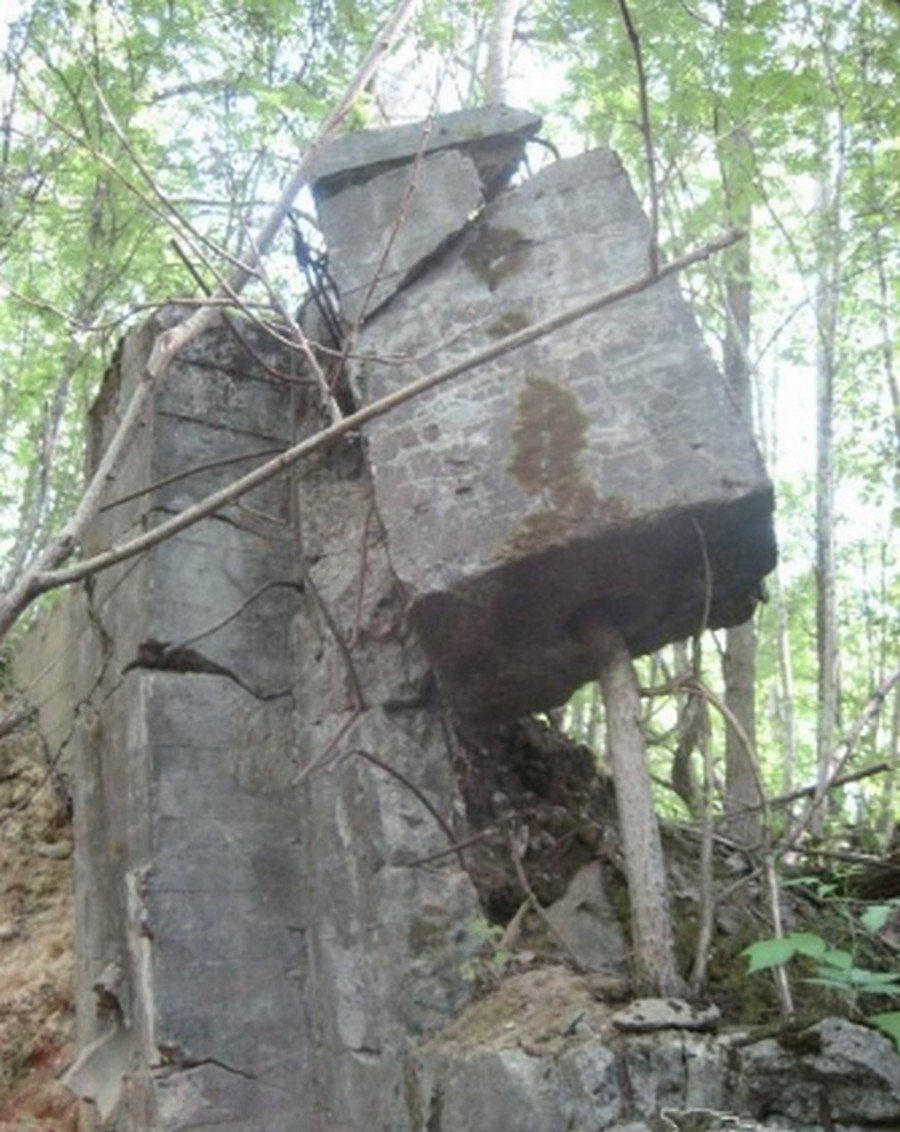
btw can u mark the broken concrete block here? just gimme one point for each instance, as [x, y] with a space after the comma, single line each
[388, 227]
[390, 200]
[602, 472]
[646, 1015]
[492, 137]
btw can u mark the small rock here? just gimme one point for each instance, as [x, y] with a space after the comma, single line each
[55, 850]
[8, 931]
[705, 1120]
[645, 1015]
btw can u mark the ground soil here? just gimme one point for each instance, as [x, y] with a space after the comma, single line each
[37, 1016]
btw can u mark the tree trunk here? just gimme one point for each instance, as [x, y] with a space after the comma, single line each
[742, 796]
[500, 38]
[786, 694]
[653, 944]
[888, 822]
[743, 816]
[826, 598]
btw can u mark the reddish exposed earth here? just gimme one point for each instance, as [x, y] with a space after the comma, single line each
[37, 1017]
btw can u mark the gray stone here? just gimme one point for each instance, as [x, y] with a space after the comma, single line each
[600, 473]
[55, 850]
[835, 1070]
[587, 922]
[494, 1090]
[646, 1015]
[675, 1069]
[591, 1085]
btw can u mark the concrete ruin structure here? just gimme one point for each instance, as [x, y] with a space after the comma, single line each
[602, 471]
[288, 726]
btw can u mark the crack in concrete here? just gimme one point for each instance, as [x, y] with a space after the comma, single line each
[175, 1060]
[162, 656]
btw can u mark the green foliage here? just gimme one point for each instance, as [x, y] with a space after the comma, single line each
[889, 1023]
[835, 967]
[492, 960]
[129, 125]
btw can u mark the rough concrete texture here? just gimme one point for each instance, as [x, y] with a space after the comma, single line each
[405, 193]
[491, 137]
[396, 914]
[601, 473]
[414, 210]
[257, 948]
[189, 905]
[276, 930]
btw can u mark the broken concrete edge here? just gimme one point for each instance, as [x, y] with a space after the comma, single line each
[514, 635]
[357, 157]
[98, 1074]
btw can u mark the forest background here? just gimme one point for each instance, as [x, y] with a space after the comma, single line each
[144, 142]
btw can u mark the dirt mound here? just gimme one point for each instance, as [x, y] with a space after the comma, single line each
[37, 1016]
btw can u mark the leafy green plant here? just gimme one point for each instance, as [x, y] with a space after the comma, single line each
[834, 967]
[493, 958]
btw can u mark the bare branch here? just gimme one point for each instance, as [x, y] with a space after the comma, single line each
[842, 752]
[41, 580]
[170, 342]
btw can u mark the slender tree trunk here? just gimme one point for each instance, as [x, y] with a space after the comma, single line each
[742, 797]
[888, 821]
[826, 598]
[786, 694]
[783, 695]
[653, 945]
[500, 38]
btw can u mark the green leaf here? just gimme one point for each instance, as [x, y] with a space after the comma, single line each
[875, 917]
[774, 952]
[856, 980]
[888, 1023]
[834, 957]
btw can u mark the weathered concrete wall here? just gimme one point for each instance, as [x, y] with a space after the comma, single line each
[396, 914]
[190, 905]
[257, 947]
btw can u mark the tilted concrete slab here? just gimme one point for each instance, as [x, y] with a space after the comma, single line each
[492, 137]
[404, 194]
[602, 472]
